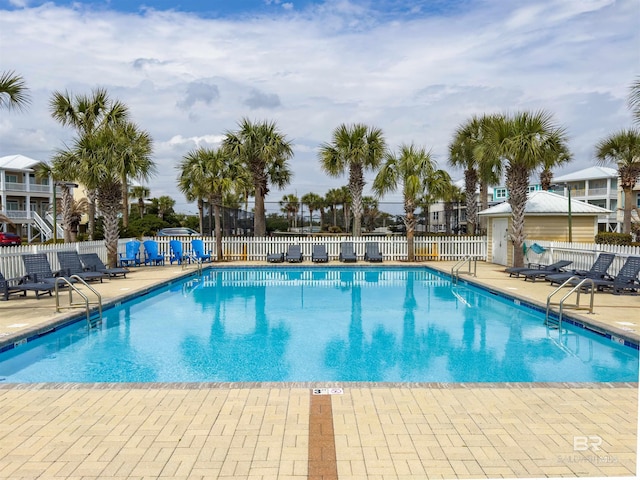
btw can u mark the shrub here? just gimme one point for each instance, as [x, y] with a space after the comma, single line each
[613, 238]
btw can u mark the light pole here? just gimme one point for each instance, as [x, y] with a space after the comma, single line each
[569, 212]
[55, 205]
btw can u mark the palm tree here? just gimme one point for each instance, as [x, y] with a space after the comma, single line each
[623, 149]
[60, 171]
[523, 142]
[216, 173]
[411, 167]
[78, 208]
[634, 99]
[140, 192]
[437, 185]
[370, 212]
[314, 202]
[345, 201]
[290, 206]
[332, 198]
[453, 195]
[87, 114]
[134, 162]
[265, 152]
[556, 157]
[165, 205]
[355, 149]
[13, 91]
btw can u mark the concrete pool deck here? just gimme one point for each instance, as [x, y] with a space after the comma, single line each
[284, 431]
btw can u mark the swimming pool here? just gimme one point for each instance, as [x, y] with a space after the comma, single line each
[295, 324]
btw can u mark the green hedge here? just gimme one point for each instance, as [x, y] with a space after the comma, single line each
[613, 238]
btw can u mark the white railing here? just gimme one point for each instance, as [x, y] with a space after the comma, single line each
[45, 230]
[256, 248]
[59, 229]
[392, 248]
[581, 254]
[11, 264]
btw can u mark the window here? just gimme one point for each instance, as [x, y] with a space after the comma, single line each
[638, 200]
[436, 216]
[500, 193]
[11, 177]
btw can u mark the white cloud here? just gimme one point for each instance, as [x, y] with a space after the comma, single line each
[188, 80]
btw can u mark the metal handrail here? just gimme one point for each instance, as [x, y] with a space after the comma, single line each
[577, 288]
[72, 304]
[455, 270]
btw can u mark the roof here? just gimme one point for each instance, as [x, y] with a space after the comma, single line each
[18, 162]
[541, 202]
[588, 174]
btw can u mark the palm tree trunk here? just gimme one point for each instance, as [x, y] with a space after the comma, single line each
[141, 207]
[628, 207]
[259, 220]
[125, 203]
[66, 213]
[518, 186]
[470, 183]
[410, 223]
[217, 200]
[109, 199]
[201, 214]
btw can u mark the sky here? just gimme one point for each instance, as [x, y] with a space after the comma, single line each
[189, 71]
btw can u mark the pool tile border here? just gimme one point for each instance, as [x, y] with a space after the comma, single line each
[311, 385]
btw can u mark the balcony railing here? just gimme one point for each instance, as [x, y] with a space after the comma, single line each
[16, 214]
[15, 187]
[24, 187]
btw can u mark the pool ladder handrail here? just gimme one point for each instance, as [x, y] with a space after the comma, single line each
[455, 270]
[193, 258]
[87, 303]
[577, 288]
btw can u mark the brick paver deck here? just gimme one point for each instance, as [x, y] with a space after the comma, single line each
[265, 431]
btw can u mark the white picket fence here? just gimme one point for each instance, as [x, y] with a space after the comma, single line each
[392, 248]
[581, 254]
[257, 248]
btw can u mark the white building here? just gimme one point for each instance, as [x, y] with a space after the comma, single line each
[24, 198]
[597, 186]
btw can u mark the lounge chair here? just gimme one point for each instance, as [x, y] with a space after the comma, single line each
[22, 285]
[275, 257]
[372, 252]
[539, 273]
[92, 262]
[554, 268]
[152, 255]
[70, 264]
[131, 255]
[294, 254]
[39, 270]
[597, 271]
[347, 253]
[319, 254]
[197, 246]
[626, 279]
[177, 254]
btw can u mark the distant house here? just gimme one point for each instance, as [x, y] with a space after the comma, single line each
[597, 186]
[23, 198]
[546, 218]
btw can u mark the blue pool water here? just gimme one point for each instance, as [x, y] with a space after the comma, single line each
[333, 324]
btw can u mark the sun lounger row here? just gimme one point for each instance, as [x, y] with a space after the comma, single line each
[41, 279]
[319, 254]
[558, 274]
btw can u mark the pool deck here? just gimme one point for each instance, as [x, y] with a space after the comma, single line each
[286, 431]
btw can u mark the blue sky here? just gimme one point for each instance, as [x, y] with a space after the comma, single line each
[417, 70]
[223, 8]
